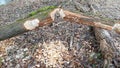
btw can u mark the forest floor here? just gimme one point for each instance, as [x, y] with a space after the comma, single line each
[60, 45]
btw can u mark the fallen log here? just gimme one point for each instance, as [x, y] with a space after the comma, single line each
[42, 17]
[35, 19]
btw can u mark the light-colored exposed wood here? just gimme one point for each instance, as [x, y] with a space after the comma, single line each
[18, 27]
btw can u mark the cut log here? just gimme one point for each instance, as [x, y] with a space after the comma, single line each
[33, 20]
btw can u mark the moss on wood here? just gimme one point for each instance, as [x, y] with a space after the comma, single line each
[10, 30]
[44, 11]
[41, 10]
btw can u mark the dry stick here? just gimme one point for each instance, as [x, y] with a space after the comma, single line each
[69, 16]
[84, 20]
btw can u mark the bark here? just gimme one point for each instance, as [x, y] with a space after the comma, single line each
[109, 43]
[18, 27]
[80, 19]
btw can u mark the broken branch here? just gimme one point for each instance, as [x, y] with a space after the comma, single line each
[29, 23]
[69, 16]
[80, 19]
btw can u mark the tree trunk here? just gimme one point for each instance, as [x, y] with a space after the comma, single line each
[33, 20]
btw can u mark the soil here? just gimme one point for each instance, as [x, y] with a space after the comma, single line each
[59, 45]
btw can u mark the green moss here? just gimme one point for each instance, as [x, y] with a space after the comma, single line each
[32, 13]
[19, 20]
[41, 10]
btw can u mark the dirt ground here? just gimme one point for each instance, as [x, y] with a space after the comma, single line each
[62, 45]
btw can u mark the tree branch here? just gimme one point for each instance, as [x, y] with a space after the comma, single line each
[80, 19]
[77, 18]
[41, 18]
[35, 19]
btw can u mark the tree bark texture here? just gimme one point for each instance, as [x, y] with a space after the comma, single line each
[16, 28]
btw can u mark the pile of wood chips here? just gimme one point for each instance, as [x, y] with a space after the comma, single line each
[56, 54]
